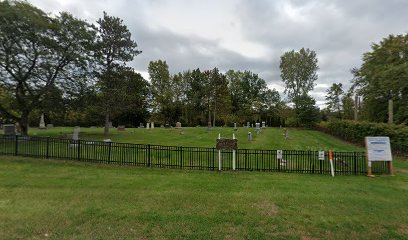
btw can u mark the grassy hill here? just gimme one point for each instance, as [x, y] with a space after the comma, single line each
[270, 138]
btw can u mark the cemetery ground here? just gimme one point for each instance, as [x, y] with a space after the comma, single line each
[269, 138]
[57, 199]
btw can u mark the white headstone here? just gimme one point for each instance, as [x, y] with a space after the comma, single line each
[263, 124]
[42, 122]
[75, 136]
[258, 126]
[147, 125]
[152, 125]
[235, 125]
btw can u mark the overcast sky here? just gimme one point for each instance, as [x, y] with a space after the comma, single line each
[249, 34]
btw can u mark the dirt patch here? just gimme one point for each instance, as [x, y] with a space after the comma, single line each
[403, 230]
[403, 171]
[308, 238]
[266, 208]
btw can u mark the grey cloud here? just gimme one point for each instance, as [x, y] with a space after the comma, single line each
[339, 31]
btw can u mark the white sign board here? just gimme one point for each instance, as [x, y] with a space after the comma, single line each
[321, 155]
[279, 154]
[378, 149]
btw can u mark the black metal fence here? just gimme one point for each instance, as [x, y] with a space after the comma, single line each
[345, 163]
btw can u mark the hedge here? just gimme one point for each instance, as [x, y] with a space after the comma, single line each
[357, 131]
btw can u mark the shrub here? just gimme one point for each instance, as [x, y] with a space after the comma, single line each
[356, 131]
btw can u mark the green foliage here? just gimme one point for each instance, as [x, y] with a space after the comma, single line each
[382, 76]
[114, 48]
[334, 97]
[38, 53]
[357, 131]
[307, 113]
[298, 72]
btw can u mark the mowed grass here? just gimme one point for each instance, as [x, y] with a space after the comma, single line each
[50, 199]
[269, 138]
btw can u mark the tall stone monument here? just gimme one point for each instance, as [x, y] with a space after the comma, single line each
[42, 122]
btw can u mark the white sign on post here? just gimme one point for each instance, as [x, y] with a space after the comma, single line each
[279, 154]
[378, 149]
[321, 155]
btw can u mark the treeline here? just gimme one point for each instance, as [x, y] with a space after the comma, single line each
[76, 73]
[379, 88]
[196, 97]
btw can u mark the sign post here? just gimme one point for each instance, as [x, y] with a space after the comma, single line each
[233, 154]
[227, 144]
[219, 154]
[378, 149]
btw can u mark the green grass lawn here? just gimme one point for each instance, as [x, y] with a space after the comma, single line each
[270, 138]
[50, 199]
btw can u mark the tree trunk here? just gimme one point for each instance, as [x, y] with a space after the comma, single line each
[106, 130]
[23, 121]
[215, 109]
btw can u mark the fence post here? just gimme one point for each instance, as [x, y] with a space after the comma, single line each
[213, 158]
[109, 151]
[79, 150]
[48, 146]
[181, 157]
[355, 163]
[16, 145]
[149, 160]
[246, 155]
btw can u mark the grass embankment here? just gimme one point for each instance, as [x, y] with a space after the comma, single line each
[46, 199]
[270, 138]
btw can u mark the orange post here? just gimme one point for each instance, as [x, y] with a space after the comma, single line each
[331, 162]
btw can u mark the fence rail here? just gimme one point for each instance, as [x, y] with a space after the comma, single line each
[345, 163]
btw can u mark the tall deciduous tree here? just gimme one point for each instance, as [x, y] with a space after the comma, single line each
[161, 89]
[299, 73]
[383, 76]
[334, 98]
[115, 48]
[37, 54]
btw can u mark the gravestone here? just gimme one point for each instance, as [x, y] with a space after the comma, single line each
[252, 125]
[235, 126]
[110, 125]
[18, 128]
[141, 125]
[167, 125]
[75, 136]
[178, 125]
[42, 122]
[258, 128]
[152, 124]
[162, 126]
[286, 134]
[209, 126]
[263, 125]
[250, 136]
[50, 125]
[247, 124]
[147, 125]
[121, 128]
[9, 129]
